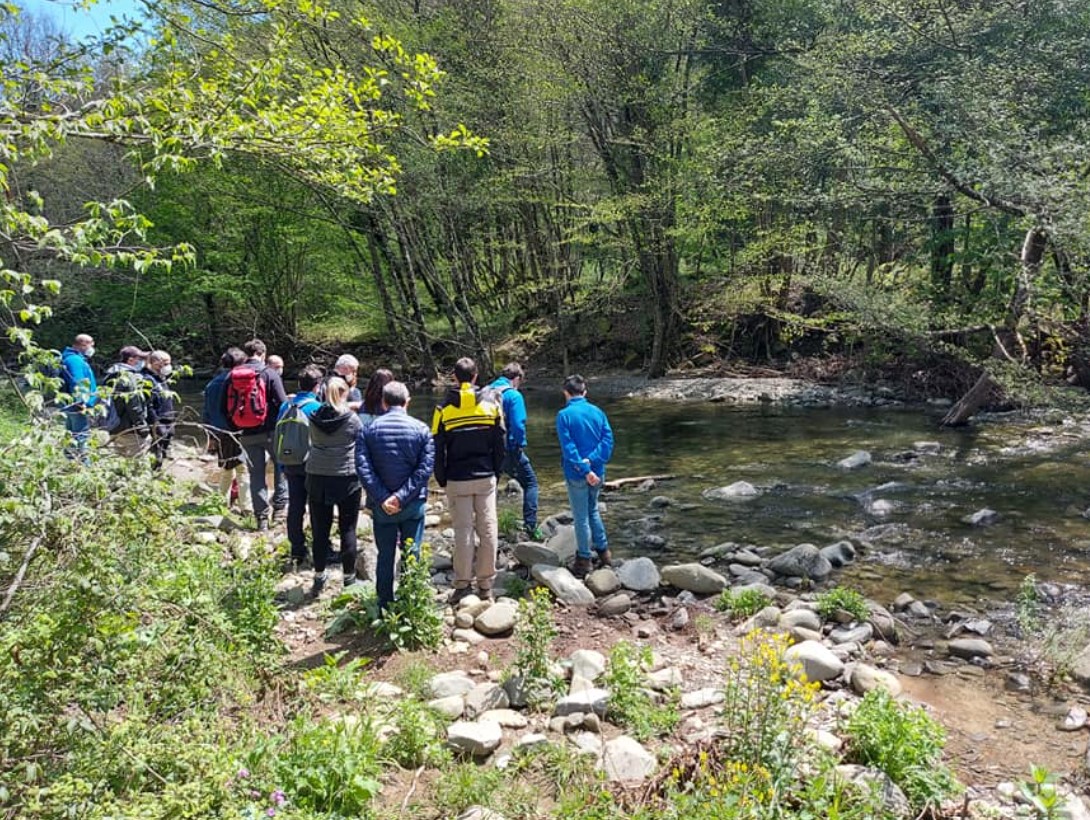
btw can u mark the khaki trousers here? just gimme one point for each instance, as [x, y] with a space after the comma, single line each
[473, 509]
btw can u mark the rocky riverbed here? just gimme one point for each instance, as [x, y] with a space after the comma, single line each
[970, 668]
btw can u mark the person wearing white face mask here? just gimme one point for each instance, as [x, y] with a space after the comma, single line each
[129, 398]
[79, 383]
[162, 414]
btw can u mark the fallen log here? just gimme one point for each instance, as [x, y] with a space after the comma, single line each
[617, 483]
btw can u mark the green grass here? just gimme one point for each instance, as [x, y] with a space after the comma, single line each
[13, 414]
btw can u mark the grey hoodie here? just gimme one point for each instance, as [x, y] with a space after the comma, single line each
[332, 442]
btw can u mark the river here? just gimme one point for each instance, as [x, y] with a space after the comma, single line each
[918, 541]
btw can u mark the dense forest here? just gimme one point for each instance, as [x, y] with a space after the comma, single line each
[644, 183]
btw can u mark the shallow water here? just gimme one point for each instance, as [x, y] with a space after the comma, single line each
[1038, 482]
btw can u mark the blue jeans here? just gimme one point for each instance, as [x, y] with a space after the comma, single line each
[78, 425]
[517, 465]
[589, 528]
[391, 530]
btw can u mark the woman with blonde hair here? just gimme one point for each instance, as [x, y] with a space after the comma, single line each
[332, 481]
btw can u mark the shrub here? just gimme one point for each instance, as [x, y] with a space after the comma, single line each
[841, 598]
[630, 704]
[413, 621]
[1027, 605]
[509, 522]
[534, 634]
[904, 742]
[741, 603]
[416, 737]
[332, 681]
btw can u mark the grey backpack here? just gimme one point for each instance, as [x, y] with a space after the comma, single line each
[292, 436]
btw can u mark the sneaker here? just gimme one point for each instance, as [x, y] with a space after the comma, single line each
[350, 579]
[459, 595]
[486, 594]
[297, 564]
[605, 558]
[279, 514]
[262, 525]
[318, 585]
[581, 568]
[536, 534]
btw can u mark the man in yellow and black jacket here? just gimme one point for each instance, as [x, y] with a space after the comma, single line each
[468, 431]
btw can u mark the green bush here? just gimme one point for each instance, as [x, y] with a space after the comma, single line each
[741, 603]
[841, 598]
[509, 523]
[417, 736]
[413, 621]
[630, 704]
[534, 634]
[904, 742]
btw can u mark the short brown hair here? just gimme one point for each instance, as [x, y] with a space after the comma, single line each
[254, 348]
[465, 369]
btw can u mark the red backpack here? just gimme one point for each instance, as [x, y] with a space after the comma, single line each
[247, 402]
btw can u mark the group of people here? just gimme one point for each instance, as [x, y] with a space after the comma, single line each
[329, 446]
[138, 408]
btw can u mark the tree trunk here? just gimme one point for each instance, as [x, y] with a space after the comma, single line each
[942, 245]
[972, 401]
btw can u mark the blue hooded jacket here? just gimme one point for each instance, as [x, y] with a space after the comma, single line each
[514, 413]
[78, 377]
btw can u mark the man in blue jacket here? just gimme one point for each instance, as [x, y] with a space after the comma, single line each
[221, 440]
[515, 461]
[395, 456]
[586, 444]
[80, 385]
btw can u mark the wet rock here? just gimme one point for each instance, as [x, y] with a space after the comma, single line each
[639, 574]
[485, 697]
[587, 664]
[474, 739]
[802, 561]
[652, 541]
[732, 492]
[718, 551]
[839, 554]
[969, 648]
[446, 684]
[982, 518]
[624, 760]
[864, 678]
[860, 458]
[694, 577]
[602, 582]
[497, 619]
[817, 662]
[614, 605]
[589, 700]
[565, 586]
[927, 448]
[660, 502]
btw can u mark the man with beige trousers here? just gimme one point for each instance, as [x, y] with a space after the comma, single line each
[469, 449]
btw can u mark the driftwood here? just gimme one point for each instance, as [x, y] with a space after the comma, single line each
[617, 483]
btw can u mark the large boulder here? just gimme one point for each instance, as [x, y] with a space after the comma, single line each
[529, 553]
[802, 561]
[815, 660]
[497, 619]
[695, 578]
[565, 586]
[624, 760]
[563, 543]
[476, 739]
[639, 575]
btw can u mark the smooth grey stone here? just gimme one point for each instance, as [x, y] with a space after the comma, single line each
[839, 554]
[588, 664]
[856, 634]
[639, 574]
[474, 739]
[732, 492]
[497, 619]
[624, 760]
[969, 648]
[602, 582]
[446, 684]
[695, 578]
[802, 561]
[860, 458]
[614, 605]
[982, 518]
[864, 678]
[484, 697]
[589, 700]
[817, 662]
[565, 586]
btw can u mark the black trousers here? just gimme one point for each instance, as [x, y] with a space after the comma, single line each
[321, 522]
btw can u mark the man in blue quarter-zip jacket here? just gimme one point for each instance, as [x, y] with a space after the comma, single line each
[515, 461]
[586, 444]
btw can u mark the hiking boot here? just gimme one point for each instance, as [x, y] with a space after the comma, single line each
[605, 558]
[318, 585]
[459, 595]
[486, 594]
[279, 514]
[262, 525]
[581, 568]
